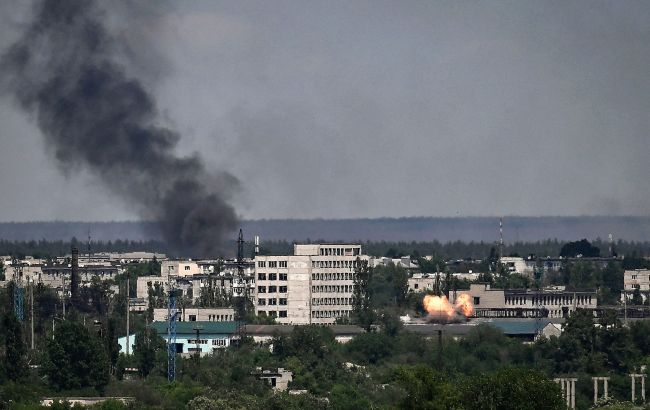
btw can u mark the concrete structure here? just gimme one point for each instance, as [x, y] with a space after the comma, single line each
[637, 279]
[266, 333]
[84, 401]
[404, 262]
[605, 381]
[279, 379]
[633, 377]
[314, 285]
[568, 385]
[422, 282]
[558, 303]
[193, 314]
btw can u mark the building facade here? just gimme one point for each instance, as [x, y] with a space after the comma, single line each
[314, 285]
[636, 279]
[558, 302]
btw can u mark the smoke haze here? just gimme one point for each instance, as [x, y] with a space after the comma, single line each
[65, 72]
[371, 109]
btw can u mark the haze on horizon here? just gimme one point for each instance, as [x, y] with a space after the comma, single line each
[368, 109]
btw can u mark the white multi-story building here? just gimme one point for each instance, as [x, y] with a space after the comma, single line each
[314, 285]
[637, 279]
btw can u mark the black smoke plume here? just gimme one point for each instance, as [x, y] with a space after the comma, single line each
[64, 71]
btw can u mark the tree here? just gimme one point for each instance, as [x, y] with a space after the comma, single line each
[76, 358]
[514, 389]
[15, 363]
[147, 344]
[362, 296]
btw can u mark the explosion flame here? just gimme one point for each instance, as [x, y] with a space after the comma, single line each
[441, 310]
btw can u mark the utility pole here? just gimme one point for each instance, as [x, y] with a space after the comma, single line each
[31, 299]
[128, 342]
[63, 284]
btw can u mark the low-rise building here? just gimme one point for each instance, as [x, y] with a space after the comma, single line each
[557, 302]
[636, 280]
[211, 336]
[278, 379]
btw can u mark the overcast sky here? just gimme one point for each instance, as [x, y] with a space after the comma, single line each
[365, 109]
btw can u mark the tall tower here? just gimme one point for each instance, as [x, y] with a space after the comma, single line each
[500, 239]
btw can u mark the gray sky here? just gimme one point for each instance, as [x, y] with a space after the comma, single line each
[366, 109]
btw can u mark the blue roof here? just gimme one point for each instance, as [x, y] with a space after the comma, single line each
[190, 327]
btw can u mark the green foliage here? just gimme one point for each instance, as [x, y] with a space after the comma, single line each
[14, 363]
[362, 308]
[425, 388]
[511, 388]
[75, 358]
[145, 349]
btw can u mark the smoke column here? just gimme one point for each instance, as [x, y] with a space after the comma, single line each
[64, 72]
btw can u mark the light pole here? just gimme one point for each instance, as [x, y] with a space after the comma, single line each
[31, 299]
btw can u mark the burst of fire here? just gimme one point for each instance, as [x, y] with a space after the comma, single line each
[440, 308]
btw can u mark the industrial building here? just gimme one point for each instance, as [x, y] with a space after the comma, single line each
[554, 302]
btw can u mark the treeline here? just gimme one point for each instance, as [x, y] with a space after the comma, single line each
[469, 250]
[451, 250]
[52, 249]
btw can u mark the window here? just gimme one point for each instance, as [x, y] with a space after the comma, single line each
[261, 313]
[283, 276]
[283, 301]
[273, 264]
[261, 302]
[273, 302]
[192, 318]
[477, 300]
[283, 289]
[261, 289]
[633, 276]
[283, 264]
[283, 313]
[261, 264]
[273, 289]
[261, 276]
[187, 268]
[272, 313]
[416, 286]
[273, 276]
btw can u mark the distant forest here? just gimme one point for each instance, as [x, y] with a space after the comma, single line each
[448, 250]
[424, 229]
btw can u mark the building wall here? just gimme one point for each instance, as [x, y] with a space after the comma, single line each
[192, 314]
[180, 268]
[636, 279]
[556, 302]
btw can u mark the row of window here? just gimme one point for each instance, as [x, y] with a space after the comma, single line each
[321, 314]
[334, 264]
[331, 301]
[548, 300]
[272, 264]
[272, 289]
[340, 251]
[271, 276]
[332, 276]
[335, 289]
[272, 302]
[272, 313]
